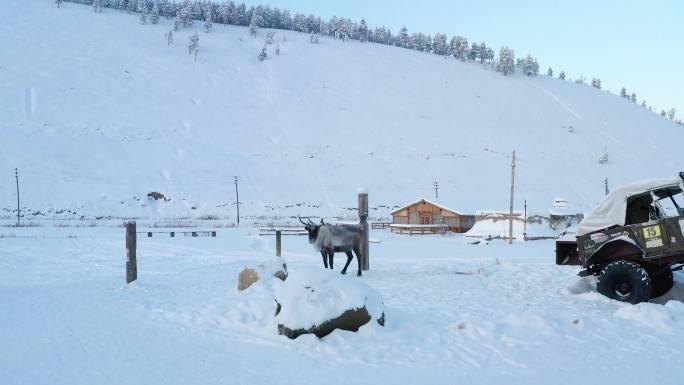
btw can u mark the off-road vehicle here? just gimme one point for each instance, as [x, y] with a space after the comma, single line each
[632, 241]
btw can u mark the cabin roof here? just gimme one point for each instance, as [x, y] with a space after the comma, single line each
[424, 201]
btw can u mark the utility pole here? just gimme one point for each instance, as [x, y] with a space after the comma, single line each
[435, 186]
[525, 223]
[605, 184]
[16, 176]
[510, 219]
[237, 200]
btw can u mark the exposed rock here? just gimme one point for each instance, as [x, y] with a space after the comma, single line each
[275, 268]
[350, 320]
[247, 278]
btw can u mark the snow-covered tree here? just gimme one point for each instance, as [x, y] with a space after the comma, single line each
[604, 158]
[428, 44]
[671, 113]
[193, 44]
[459, 47]
[285, 19]
[529, 65]
[362, 31]
[474, 52]
[549, 72]
[97, 6]
[633, 97]
[403, 39]
[506, 63]
[439, 46]
[253, 27]
[208, 25]
[141, 7]
[623, 92]
[561, 75]
[483, 53]
[178, 23]
[169, 38]
[643, 103]
[186, 15]
[143, 18]
[165, 9]
[154, 17]
[596, 83]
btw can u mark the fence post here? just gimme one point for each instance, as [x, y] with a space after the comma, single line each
[363, 221]
[131, 243]
[278, 242]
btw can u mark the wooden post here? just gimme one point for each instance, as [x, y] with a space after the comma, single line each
[131, 243]
[278, 242]
[510, 219]
[363, 221]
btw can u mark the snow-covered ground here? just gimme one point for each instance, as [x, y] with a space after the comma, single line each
[97, 111]
[455, 313]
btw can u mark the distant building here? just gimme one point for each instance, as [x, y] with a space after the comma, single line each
[425, 216]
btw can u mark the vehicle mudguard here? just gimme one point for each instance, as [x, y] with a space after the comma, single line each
[621, 247]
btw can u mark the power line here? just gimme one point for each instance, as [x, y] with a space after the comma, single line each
[237, 200]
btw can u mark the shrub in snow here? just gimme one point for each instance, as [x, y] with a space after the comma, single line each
[318, 302]
[262, 56]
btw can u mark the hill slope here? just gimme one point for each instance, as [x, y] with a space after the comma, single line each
[98, 111]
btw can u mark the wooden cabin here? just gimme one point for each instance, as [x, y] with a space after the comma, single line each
[425, 216]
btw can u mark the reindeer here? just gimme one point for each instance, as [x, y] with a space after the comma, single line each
[329, 239]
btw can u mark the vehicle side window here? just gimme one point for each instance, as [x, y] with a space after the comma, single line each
[668, 208]
[638, 209]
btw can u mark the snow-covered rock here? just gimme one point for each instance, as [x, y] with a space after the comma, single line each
[274, 268]
[315, 301]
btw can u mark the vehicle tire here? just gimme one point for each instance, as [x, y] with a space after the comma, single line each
[662, 283]
[625, 281]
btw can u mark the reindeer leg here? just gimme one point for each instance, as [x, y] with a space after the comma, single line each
[349, 259]
[325, 257]
[331, 254]
[358, 259]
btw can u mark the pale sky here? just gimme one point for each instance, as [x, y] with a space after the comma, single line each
[635, 44]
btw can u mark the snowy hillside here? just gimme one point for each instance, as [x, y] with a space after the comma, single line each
[97, 111]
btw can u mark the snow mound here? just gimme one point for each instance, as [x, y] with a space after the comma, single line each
[311, 297]
[498, 228]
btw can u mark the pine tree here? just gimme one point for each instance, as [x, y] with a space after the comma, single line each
[253, 27]
[623, 92]
[403, 38]
[643, 103]
[528, 65]
[633, 97]
[178, 23]
[154, 18]
[462, 48]
[186, 15]
[663, 113]
[362, 31]
[165, 9]
[561, 75]
[549, 72]
[439, 46]
[596, 83]
[193, 44]
[208, 25]
[285, 20]
[474, 52]
[482, 53]
[671, 113]
[506, 62]
[97, 6]
[143, 18]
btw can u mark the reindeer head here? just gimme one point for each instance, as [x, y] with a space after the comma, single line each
[311, 227]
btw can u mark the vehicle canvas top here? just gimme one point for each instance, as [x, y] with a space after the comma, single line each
[611, 212]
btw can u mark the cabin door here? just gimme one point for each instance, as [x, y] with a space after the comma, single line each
[425, 218]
